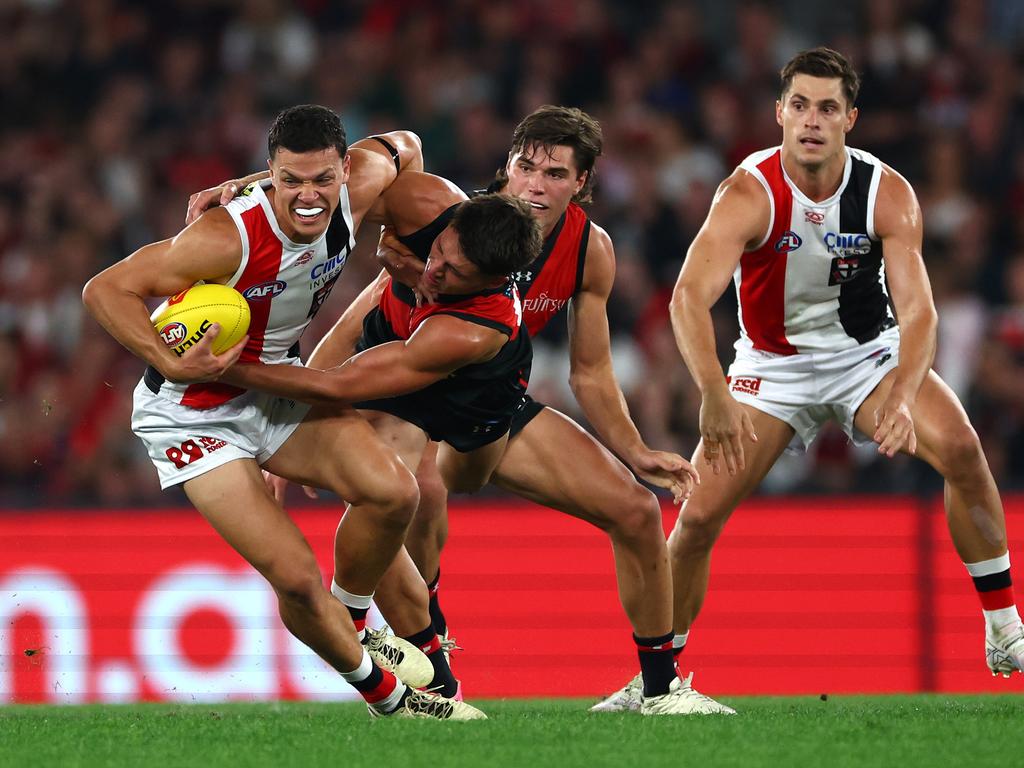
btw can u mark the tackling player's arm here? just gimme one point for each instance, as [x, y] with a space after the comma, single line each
[412, 202]
[592, 376]
[898, 224]
[209, 250]
[406, 143]
[339, 343]
[439, 347]
[738, 219]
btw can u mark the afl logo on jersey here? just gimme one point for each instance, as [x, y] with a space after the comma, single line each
[789, 241]
[265, 290]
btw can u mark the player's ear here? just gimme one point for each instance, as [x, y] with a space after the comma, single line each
[581, 181]
[778, 111]
[851, 119]
[346, 167]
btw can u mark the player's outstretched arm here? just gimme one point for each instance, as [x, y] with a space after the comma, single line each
[439, 347]
[738, 219]
[593, 381]
[898, 223]
[210, 250]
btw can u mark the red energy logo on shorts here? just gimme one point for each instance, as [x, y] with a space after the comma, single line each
[749, 385]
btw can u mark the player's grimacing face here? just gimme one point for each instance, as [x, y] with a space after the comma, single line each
[546, 180]
[307, 188]
[815, 119]
[448, 270]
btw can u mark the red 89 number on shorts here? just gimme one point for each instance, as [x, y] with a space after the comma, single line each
[186, 454]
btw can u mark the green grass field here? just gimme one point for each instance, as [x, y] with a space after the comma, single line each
[903, 731]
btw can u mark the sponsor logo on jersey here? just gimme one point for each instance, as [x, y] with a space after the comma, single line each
[814, 217]
[305, 258]
[750, 385]
[844, 269]
[543, 303]
[322, 274]
[523, 277]
[173, 334]
[846, 244]
[266, 290]
[789, 241]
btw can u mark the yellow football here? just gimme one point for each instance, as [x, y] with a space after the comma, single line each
[185, 318]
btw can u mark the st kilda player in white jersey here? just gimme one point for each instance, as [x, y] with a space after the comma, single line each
[804, 231]
[279, 248]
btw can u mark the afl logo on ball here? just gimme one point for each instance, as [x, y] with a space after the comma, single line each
[265, 290]
[789, 241]
[173, 334]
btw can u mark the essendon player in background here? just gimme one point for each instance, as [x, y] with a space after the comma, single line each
[819, 239]
[293, 237]
[550, 459]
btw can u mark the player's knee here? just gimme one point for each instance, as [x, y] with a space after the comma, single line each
[698, 527]
[299, 584]
[433, 497]
[644, 515]
[632, 512]
[393, 497]
[960, 454]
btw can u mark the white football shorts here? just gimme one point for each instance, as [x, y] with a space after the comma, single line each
[186, 442]
[807, 390]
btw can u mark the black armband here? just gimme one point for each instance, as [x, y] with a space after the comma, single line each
[392, 150]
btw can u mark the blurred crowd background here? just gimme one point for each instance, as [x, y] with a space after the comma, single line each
[114, 112]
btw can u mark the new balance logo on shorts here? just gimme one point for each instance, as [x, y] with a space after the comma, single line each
[750, 385]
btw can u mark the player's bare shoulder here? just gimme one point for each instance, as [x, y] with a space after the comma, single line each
[417, 198]
[740, 210]
[213, 242]
[599, 267]
[897, 210]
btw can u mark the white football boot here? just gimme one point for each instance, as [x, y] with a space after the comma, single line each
[432, 706]
[626, 699]
[400, 657]
[682, 699]
[1004, 649]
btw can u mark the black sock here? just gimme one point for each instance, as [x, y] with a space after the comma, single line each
[444, 681]
[436, 614]
[656, 663]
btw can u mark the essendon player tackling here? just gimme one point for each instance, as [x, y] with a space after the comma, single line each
[549, 458]
[819, 238]
[283, 248]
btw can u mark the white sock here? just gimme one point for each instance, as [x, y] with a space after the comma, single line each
[1001, 617]
[349, 600]
[362, 672]
[679, 642]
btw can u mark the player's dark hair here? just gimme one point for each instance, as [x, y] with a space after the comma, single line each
[822, 62]
[307, 128]
[498, 233]
[550, 126]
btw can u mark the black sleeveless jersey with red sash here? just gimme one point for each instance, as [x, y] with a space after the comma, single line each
[474, 405]
[554, 277]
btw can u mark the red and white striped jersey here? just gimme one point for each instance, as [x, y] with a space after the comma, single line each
[284, 282]
[816, 282]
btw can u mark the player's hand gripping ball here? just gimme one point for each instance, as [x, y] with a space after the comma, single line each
[186, 317]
